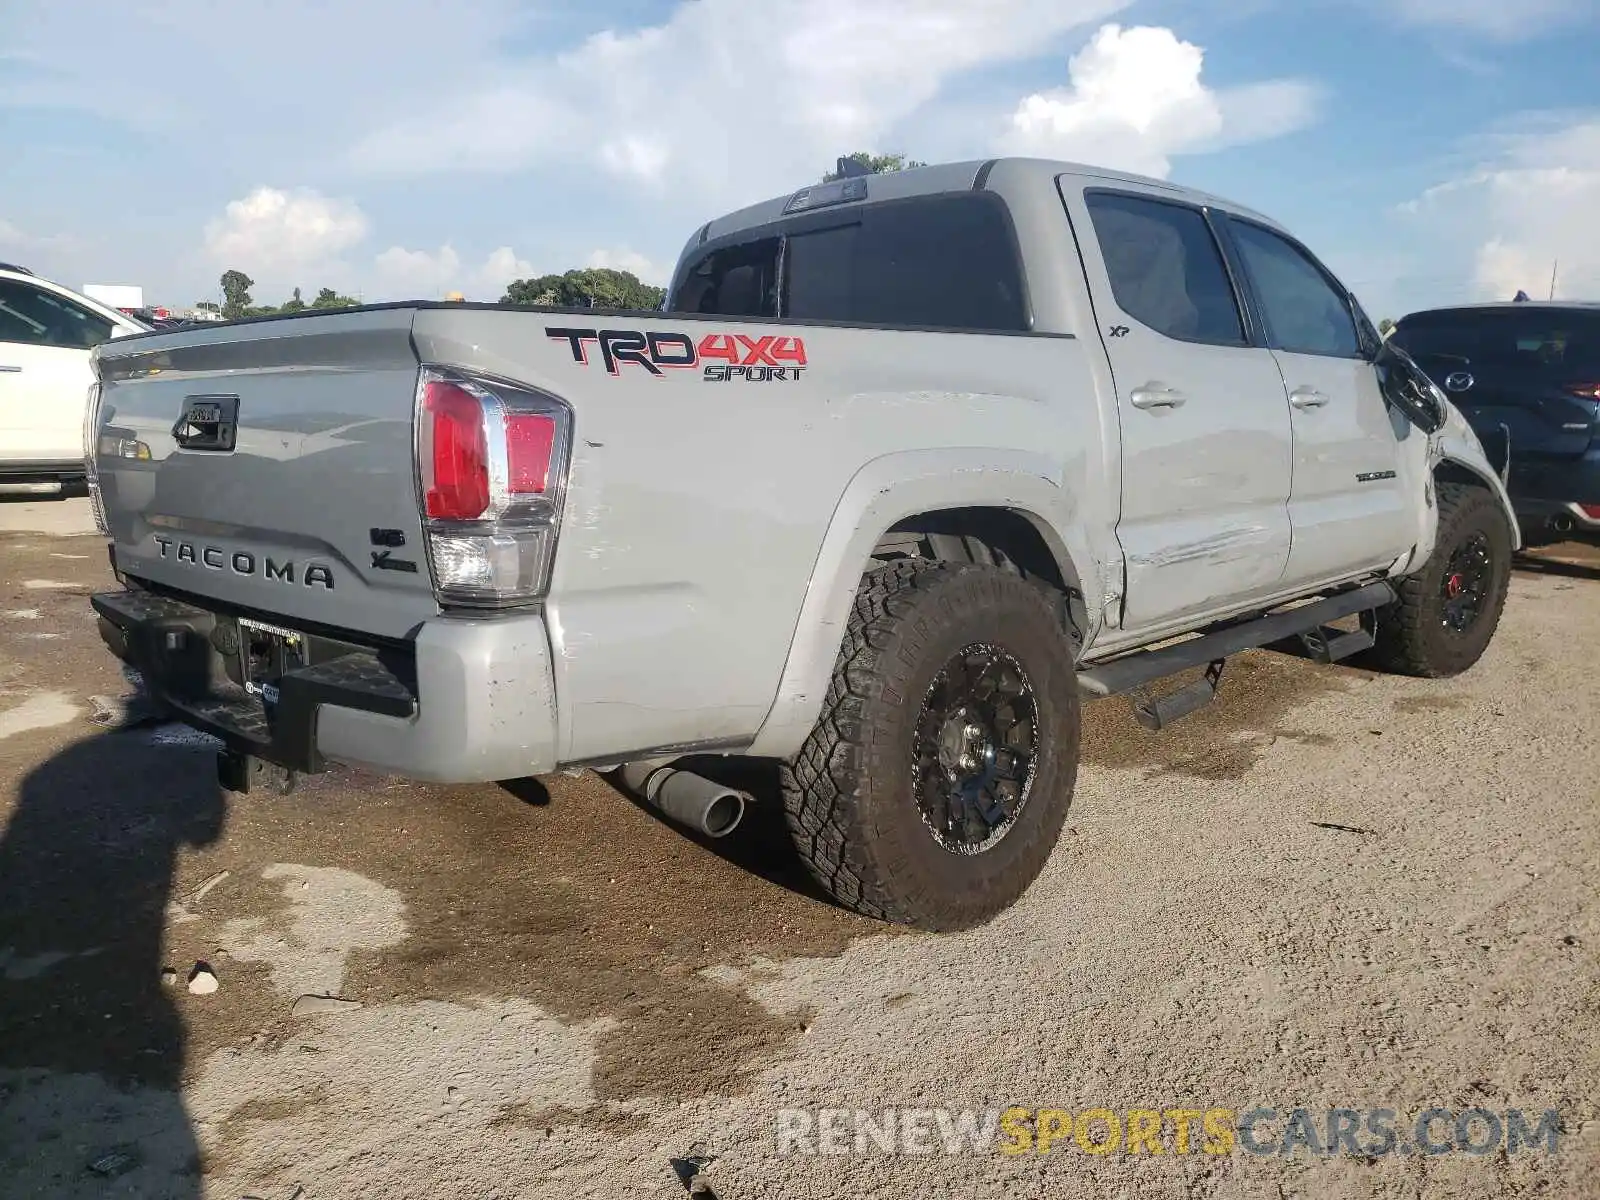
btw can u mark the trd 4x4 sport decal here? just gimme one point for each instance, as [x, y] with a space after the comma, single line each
[756, 359]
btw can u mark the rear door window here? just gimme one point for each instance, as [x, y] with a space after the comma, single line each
[1165, 268]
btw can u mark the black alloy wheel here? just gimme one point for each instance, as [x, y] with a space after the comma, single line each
[973, 751]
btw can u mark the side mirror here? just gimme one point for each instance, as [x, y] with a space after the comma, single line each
[1406, 386]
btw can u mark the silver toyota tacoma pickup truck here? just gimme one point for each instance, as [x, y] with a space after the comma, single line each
[906, 468]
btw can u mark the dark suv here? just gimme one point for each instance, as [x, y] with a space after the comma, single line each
[1529, 371]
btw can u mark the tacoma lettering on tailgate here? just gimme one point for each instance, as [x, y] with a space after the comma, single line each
[244, 562]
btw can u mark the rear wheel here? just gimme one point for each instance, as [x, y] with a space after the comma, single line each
[1448, 611]
[939, 775]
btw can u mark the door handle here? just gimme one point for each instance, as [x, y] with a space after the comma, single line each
[1306, 397]
[1155, 395]
[11, 370]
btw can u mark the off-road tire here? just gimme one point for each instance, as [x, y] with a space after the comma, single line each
[848, 795]
[1411, 636]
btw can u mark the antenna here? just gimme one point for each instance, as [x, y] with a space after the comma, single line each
[1553, 267]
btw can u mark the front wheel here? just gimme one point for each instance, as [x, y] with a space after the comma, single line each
[1448, 611]
[938, 777]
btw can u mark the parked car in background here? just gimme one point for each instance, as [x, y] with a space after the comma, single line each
[1529, 373]
[46, 333]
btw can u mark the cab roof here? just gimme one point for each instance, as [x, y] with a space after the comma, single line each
[969, 175]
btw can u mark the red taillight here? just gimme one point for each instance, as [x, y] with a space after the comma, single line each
[457, 488]
[492, 460]
[530, 439]
[1592, 511]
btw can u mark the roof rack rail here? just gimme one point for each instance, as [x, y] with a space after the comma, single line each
[20, 270]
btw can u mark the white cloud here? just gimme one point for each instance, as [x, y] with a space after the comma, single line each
[627, 135]
[501, 267]
[727, 101]
[1533, 204]
[1489, 18]
[1136, 97]
[419, 274]
[622, 259]
[277, 236]
[16, 240]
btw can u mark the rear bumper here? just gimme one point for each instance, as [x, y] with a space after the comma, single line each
[463, 701]
[1552, 517]
[1547, 494]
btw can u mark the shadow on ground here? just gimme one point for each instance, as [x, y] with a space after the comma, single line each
[1260, 694]
[1531, 564]
[91, 1043]
[760, 845]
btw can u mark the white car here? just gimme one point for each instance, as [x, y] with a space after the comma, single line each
[46, 333]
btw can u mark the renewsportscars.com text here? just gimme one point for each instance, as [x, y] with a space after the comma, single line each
[1262, 1130]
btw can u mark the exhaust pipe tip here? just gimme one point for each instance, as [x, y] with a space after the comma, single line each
[32, 488]
[1561, 523]
[689, 799]
[722, 815]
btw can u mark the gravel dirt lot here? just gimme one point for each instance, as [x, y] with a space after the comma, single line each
[1330, 889]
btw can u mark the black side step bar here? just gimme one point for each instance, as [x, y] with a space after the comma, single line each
[1324, 644]
[1142, 667]
[1159, 713]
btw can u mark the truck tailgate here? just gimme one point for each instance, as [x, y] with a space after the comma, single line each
[312, 513]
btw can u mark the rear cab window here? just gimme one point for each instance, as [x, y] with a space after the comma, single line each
[736, 281]
[942, 261]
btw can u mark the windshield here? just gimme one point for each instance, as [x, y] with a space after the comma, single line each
[1537, 340]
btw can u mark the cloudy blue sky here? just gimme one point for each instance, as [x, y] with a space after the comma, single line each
[1431, 150]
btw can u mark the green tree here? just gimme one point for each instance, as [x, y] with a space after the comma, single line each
[587, 287]
[545, 289]
[1384, 326]
[876, 164]
[294, 303]
[236, 287]
[328, 298]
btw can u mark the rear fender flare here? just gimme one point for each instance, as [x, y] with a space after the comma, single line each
[882, 493]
